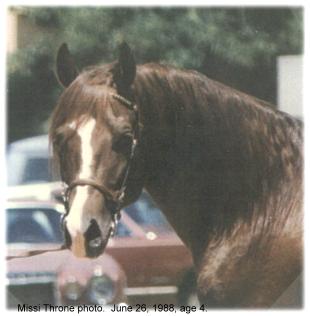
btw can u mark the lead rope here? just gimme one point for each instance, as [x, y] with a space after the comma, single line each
[32, 253]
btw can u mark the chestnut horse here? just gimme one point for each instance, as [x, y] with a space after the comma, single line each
[224, 167]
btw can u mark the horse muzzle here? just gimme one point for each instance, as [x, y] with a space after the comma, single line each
[89, 244]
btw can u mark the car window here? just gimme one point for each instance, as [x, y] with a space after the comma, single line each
[33, 225]
[145, 212]
[122, 230]
[36, 170]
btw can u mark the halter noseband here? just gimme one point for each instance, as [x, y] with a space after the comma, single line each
[116, 197]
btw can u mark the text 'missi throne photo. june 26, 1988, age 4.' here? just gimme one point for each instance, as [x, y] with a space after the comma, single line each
[155, 157]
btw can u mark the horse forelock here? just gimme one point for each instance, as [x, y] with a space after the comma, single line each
[81, 101]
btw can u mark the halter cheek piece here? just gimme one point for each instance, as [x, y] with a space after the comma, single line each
[115, 198]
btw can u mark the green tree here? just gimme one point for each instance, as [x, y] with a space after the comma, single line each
[237, 46]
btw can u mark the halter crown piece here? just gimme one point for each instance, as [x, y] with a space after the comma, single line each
[116, 197]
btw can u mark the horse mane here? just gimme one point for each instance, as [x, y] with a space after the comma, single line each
[251, 151]
[241, 147]
[86, 96]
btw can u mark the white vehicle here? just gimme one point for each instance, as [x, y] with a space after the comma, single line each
[30, 173]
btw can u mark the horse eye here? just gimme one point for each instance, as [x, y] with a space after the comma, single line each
[123, 144]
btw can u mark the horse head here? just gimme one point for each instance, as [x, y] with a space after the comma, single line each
[95, 135]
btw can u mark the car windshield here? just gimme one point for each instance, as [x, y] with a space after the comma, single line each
[145, 212]
[33, 225]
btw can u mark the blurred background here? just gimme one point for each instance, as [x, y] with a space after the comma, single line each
[256, 50]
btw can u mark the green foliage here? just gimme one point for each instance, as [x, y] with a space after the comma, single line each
[237, 46]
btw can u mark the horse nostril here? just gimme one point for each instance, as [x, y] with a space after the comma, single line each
[93, 235]
[94, 243]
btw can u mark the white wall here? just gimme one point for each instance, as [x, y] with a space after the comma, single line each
[290, 84]
[11, 32]
[22, 32]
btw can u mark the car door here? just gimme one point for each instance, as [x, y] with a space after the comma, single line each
[148, 258]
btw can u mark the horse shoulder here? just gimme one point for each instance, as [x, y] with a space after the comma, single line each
[242, 271]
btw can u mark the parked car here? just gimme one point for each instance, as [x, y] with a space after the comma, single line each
[55, 277]
[151, 254]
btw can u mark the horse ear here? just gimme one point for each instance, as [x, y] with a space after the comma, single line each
[126, 66]
[66, 70]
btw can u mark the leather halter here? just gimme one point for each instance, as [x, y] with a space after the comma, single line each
[116, 198]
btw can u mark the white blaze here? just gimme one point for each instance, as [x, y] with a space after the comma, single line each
[76, 223]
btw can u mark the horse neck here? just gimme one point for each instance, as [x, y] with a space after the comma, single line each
[214, 155]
